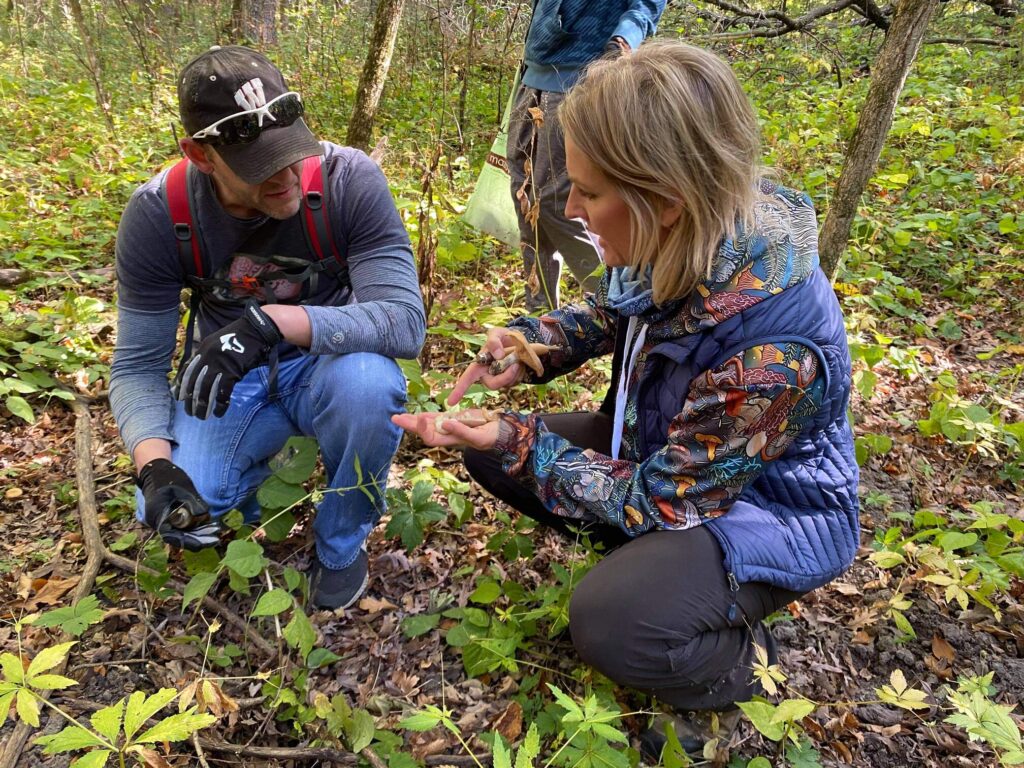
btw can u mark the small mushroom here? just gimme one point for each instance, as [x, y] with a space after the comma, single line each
[517, 350]
[474, 417]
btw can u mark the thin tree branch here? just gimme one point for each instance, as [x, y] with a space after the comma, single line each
[870, 11]
[970, 41]
[786, 24]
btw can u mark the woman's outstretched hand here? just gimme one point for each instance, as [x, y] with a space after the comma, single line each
[479, 372]
[436, 429]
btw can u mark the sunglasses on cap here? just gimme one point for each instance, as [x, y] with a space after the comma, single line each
[245, 127]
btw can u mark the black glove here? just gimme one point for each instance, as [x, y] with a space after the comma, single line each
[174, 508]
[223, 359]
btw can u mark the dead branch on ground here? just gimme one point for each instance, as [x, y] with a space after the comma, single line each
[94, 553]
[97, 554]
[9, 277]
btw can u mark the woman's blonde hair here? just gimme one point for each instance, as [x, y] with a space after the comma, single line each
[670, 125]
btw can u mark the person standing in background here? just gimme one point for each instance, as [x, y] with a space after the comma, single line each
[564, 36]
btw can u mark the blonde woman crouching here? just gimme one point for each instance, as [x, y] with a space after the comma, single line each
[720, 469]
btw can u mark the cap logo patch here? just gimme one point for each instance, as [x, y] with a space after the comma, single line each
[250, 96]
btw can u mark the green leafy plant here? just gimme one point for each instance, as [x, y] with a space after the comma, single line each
[116, 732]
[525, 756]
[967, 558]
[73, 619]
[589, 732]
[584, 734]
[412, 513]
[46, 352]
[984, 720]
[354, 726]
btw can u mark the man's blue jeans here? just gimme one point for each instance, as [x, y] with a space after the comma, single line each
[344, 401]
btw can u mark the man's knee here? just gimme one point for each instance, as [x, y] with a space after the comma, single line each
[366, 386]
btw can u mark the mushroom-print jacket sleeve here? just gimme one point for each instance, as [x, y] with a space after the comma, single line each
[736, 418]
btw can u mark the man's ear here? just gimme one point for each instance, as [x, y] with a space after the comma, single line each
[197, 153]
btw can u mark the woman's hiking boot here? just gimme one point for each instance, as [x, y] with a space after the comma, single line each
[696, 733]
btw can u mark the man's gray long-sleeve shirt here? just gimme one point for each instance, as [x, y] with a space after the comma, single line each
[385, 316]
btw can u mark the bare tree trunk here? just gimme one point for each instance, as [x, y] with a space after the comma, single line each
[470, 45]
[888, 75]
[92, 62]
[253, 21]
[12, 11]
[139, 31]
[375, 72]
[426, 248]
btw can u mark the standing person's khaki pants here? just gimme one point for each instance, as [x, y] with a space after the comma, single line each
[540, 184]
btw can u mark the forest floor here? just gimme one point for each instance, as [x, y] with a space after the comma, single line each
[837, 645]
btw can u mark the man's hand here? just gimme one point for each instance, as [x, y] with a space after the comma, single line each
[174, 508]
[617, 46]
[223, 358]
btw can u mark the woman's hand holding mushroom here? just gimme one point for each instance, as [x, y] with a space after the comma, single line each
[501, 362]
[476, 427]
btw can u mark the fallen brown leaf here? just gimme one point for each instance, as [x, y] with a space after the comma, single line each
[844, 588]
[939, 667]
[433, 747]
[510, 722]
[942, 649]
[373, 605]
[47, 592]
[150, 757]
[814, 728]
[842, 751]
[406, 683]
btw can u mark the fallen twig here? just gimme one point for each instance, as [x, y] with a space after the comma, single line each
[130, 566]
[10, 277]
[97, 554]
[331, 755]
[94, 550]
[199, 751]
[327, 754]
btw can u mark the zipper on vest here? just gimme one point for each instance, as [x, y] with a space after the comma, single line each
[734, 588]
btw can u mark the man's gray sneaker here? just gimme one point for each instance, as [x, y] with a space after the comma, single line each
[330, 589]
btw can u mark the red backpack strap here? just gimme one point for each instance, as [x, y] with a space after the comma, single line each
[316, 210]
[178, 194]
[179, 206]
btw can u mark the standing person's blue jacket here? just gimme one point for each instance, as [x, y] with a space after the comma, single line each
[566, 35]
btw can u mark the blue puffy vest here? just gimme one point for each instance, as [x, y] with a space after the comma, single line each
[796, 526]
